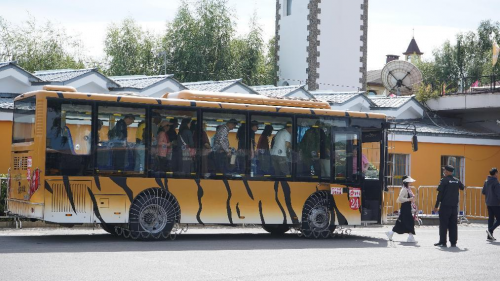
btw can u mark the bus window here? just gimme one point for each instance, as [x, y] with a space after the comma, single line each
[346, 147]
[371, 154]
[69, 140]
[313, 142]
[228, 146]
[173, 146]
[271, 156]
[121, 140]
[24, 119]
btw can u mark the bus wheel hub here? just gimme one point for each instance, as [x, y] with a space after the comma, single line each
[153, 218]
[319, 218]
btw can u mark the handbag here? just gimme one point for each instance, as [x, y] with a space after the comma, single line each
[186, 150]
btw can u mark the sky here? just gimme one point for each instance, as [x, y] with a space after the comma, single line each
[391, 23]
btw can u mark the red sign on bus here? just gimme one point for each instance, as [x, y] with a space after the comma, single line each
[354, 203]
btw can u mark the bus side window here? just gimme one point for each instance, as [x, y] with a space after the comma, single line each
[227, 133]
[69, 140]
[121, 140]
[272, 155]
[173, 146]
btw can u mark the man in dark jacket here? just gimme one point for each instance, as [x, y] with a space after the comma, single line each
[491, 190]
[448, 193]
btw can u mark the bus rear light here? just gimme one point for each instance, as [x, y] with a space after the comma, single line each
[69, 215]
[118, 213]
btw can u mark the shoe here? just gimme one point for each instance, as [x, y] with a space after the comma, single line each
[389, 235]
[454, 245]
[411, 239]
[488, 238]
[443, 245]
[490, 235]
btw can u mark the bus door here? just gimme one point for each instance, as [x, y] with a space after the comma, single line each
[371, 172]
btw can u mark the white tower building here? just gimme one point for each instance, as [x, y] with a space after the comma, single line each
[322, 43]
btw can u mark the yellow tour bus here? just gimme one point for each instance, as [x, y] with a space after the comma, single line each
[143, 167]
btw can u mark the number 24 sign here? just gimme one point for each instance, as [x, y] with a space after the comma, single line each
[354, 203]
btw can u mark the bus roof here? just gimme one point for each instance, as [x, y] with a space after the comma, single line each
[207, 100]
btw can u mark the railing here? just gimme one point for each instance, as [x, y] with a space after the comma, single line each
[471, 203]
[471, 85]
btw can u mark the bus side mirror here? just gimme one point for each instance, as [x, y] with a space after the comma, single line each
[414, 143]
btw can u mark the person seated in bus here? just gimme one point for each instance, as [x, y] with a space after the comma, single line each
[309, 149]
[185, 139]
[263, 154]
[140, 147]
[163, 148]
[118, 136]
[282, 144]
[206, 148]
[221, 146]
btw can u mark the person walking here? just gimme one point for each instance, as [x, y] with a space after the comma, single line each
[405, 222]
[447, 205]
[491, 191]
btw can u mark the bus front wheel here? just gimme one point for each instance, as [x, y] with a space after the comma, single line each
[276, 229]
[317, 216]
[153, 214]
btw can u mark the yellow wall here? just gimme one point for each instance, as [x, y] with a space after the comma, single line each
[5, 144]
[425, 164]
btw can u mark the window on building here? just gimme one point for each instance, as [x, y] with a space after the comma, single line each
[69, 139]
[173, 143]
[288, 7]
[121, 132]
[456, 161]
[273, 145]
[228, 135]
[399, 165]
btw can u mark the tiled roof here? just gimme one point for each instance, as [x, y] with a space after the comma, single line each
[335, 98]
[7, 100]
[387, 102]
[413, 48]
[2, 64]
[428, 128]
[61, 75]
[374, 77]
[140, 81]
[272, 91]
[210, 86]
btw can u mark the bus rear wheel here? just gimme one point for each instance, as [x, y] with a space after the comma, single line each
[153, 214]
[317, 217]
[276, 229]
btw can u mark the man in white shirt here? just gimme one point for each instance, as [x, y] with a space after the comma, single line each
[282, 144]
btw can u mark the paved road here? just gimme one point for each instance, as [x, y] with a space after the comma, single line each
[245, 254]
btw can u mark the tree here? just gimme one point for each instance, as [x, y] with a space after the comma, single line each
[131, 51]
[39, 46]
[198, 41]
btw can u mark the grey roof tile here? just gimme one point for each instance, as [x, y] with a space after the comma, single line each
[427, 128]
[387, 102]
[7, 100]
[279, 92]
[335, 98]
[210, 86]
[374, 77]
[61, 75]
[140, 81]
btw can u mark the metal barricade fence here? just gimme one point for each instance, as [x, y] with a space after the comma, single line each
[426, 200]
[475, 202]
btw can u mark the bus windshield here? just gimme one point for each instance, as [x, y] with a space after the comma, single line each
[24, 120]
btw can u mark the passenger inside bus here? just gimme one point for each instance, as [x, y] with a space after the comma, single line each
[206, 148]
[221, 148]
[188, 148]
[280, 151]
[118, 137]
[163, 148]
[263, 151]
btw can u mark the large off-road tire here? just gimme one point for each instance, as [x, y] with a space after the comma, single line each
[318, 219]
[276, 229]
[153, 214]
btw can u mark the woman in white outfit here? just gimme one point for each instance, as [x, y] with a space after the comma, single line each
[405, 222]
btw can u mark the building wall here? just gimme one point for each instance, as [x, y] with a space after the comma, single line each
[340, 48]
[292, 43]
[5, 144]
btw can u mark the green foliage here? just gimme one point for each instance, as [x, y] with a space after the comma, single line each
[131, 51]
[38, 46]
[425, 92]
[470, 56]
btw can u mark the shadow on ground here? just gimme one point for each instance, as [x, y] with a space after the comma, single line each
[184, 242]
